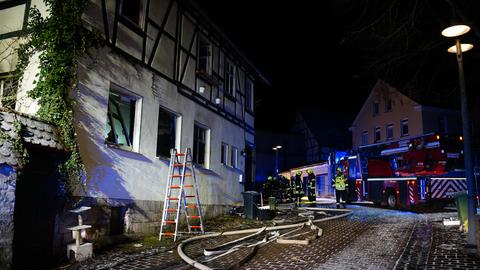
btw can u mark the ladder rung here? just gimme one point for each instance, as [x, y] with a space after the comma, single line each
[180, 154]
[189, 196]
[179, 175]
[185, 186]
[168, 233]
[191, 206]
[180, 165]
[170, 222]
[173, 198]
[171, 210]
[194, 216]
[195, 227]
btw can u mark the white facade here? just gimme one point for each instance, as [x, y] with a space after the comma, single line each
[156, 62]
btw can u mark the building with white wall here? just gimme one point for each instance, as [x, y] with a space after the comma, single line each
[166, 78]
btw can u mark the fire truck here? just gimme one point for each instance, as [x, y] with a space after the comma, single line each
[419, 171]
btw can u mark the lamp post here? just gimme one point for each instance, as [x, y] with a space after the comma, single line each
[456, 31]
[276, 149]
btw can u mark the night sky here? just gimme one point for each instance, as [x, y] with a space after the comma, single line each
[327, 55]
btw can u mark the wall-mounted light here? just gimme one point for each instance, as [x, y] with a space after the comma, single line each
[201, 89]
[217, 100]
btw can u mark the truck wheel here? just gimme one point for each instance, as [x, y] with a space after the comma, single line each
[392, 201]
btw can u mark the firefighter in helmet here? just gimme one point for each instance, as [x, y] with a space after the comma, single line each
[339, 182]
[298, 189]
[311, 185]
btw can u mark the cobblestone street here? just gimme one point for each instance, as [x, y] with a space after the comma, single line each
[371, 238]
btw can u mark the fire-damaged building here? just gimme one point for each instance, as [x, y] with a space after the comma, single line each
[166, 78]
[405, 152]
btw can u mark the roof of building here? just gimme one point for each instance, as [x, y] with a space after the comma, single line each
[34, 132]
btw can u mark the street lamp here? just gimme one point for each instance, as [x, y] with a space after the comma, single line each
[456, 31]
[276, 149]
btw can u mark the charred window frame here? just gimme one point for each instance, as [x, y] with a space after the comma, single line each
[123, 118]
[8, 91]
[133, 11]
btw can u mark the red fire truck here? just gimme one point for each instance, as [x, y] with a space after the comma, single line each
[425, 170]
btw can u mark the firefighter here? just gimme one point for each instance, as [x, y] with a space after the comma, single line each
[298, 189]
[311, 185]
[339, 182]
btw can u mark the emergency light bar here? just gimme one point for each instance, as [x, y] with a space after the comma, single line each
[392, 179]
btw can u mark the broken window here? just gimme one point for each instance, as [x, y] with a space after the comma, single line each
[8, 92]
[120, 119]
[166, 136]
[131, 10]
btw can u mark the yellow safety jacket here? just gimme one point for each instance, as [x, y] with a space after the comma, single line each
[339, 182]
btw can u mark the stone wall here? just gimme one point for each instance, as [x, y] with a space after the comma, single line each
[8, 179]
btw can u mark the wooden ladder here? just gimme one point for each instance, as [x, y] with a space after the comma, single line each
[180, 171]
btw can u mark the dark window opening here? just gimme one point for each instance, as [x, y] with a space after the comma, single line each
[233, 157]
[378, 134]
[166, 132]
[230, 78]
[120, 119]
[224, 154]
[389, 131]
[117, 220]
[404, 127]
[131, 10]
[376, 108]
[199, 144]
[204, 56]
[249, 95]
[365, 138]
[388, 104]
[8, 92]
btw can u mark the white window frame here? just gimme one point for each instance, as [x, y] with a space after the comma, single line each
[135, 147]
[178, 127]
[377, 130]
[233, 157]
[225, 152]
[208, 57]
[387, 127]
[365, 137]
[206, 164]
[402, 123]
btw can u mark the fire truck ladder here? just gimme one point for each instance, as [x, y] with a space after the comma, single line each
[181, 168]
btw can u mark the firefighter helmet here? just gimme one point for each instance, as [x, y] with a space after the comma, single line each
[299, 173]
[339, 169]
[309, 171]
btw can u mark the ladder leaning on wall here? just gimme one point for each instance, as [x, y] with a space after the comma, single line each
[181, 192]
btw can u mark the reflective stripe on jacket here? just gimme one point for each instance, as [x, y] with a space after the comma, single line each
[340, 182]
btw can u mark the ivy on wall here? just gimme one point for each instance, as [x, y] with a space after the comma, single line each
[60, 39]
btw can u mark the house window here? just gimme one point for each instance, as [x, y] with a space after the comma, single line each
[8, 92]
[205, 56]
[376, 108]
[378, 134]
[404, 127]
[166, 136]
[130, 9]
[199, 145]
[365, 138]
[224, 154]
[230, 78]
[234, 157]
[388, 105]
[249, 95]
[389, 131]
[121, 119]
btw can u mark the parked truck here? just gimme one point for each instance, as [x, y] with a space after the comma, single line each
[420, 171]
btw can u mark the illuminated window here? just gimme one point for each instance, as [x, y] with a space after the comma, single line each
[365, 138]
[249, 96]
[378, 134]
[389, 131]
[404, 127]
[230, 78]
[205, 56]
[234, 157]
[166, 136]
[122, 109]
[224, 154]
